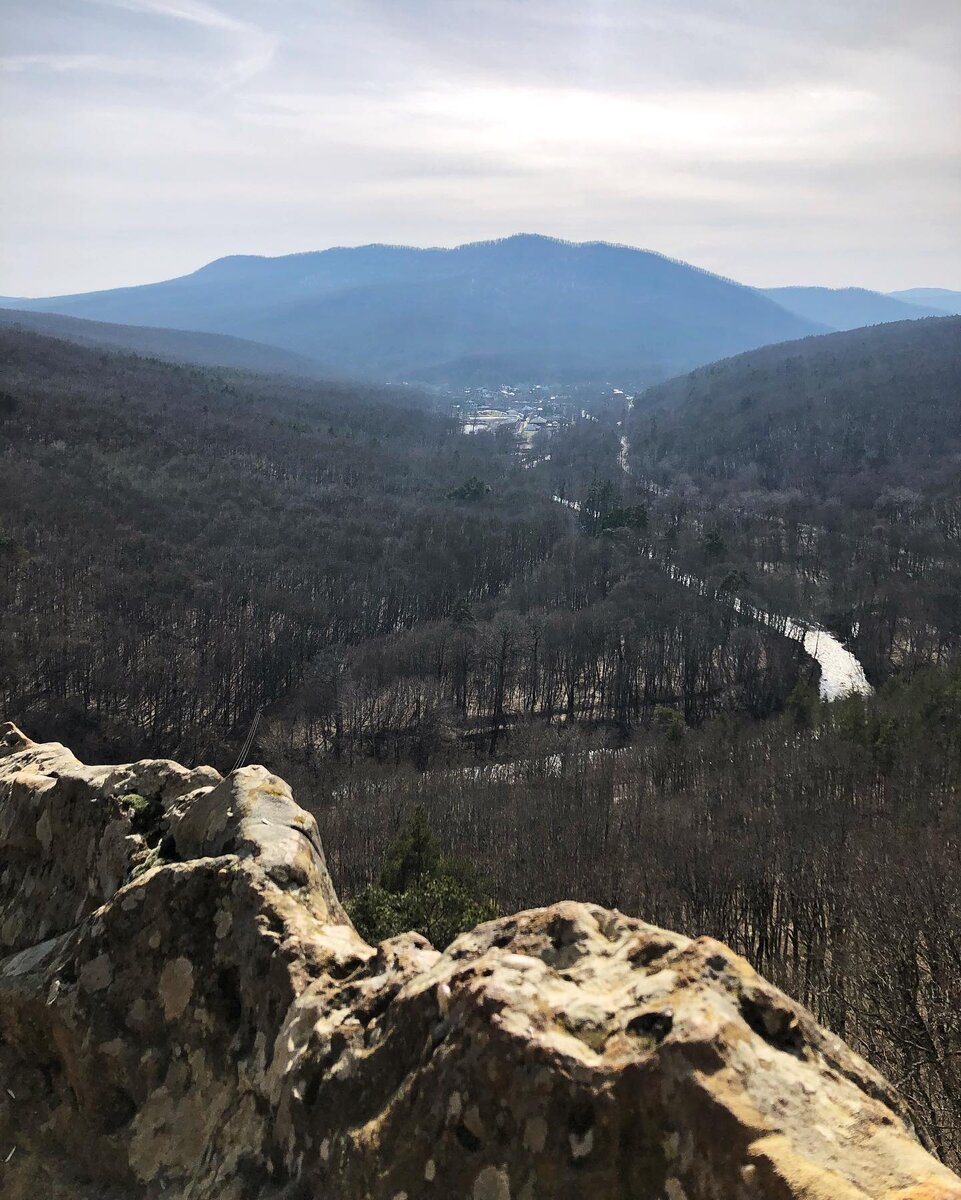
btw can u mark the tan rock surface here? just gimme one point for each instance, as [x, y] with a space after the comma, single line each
[185, 1011]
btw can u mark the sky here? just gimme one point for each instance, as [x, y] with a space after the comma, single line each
[773, 141]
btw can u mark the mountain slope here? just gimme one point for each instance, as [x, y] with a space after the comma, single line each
[848, 414]
[526, 307]
[221, 529]
[821, 479]
[847, 308]
[943, 298]
[172, 345]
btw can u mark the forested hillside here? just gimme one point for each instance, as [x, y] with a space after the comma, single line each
[826, 473]
[178, 545]
[173, 345]
[181, 548]
[525, 308]
[492, 699]
[845, 416]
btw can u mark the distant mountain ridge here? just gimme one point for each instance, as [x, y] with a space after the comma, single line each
[942, 298]
[522, 308]
[525, 307]
[848, 308]
[172, 345]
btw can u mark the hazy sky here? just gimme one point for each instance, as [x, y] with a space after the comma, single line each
[776, 141]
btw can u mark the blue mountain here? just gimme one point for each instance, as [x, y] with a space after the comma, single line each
[847, 308]
[523, 308]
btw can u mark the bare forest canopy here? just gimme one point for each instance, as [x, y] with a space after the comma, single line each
[826, 475]
[182, 548]
[845, 416]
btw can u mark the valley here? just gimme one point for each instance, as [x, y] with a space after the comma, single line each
[719, 611]
[480, 600]
[840, 672]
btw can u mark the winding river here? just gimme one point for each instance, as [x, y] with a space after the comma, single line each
[841, 673]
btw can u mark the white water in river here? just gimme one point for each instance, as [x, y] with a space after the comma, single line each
[841, 673]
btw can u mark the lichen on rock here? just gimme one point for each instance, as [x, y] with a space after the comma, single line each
[185, 1010]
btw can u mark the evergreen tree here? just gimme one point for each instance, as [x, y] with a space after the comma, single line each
[421, 889]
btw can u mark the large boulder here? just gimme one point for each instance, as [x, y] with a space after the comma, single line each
[186, 1011]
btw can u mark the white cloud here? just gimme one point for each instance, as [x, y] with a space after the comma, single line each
[192, 11]
[85, 64]
[771, 142]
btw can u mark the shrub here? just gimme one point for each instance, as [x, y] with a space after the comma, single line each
[421, 889]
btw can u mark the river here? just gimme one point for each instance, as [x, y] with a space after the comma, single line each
[841, 673]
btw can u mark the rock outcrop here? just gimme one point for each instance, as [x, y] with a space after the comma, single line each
[186, 1011]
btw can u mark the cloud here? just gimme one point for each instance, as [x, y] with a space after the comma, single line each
[99, 64]
[59, 62]
[777, 143]
[256, 47]
[192, 11]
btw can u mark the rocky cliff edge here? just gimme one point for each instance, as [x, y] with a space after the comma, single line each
[186, 1011]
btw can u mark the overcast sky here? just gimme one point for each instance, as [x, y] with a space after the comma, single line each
[775, 141]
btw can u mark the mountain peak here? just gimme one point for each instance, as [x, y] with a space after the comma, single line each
[523, 308]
